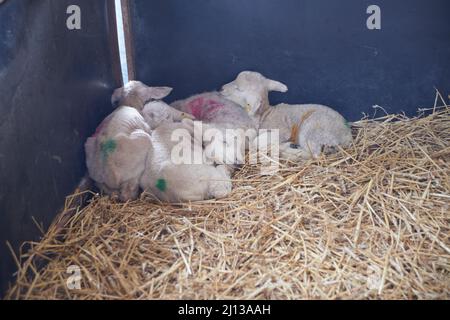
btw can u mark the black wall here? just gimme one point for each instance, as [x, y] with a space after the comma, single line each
[55, 87]
[321, 49]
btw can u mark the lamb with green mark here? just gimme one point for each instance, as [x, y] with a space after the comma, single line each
[116, 153]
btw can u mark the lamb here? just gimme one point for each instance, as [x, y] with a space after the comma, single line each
[304, 130]
[136, 94]
[213, 108]
[116, 153]
[173, 181]
[223, 115]
[125, 155]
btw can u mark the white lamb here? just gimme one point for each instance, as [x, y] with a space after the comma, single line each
[116, 153]
[223, 115]
[305, 130]
[125, 154]
[173, 181]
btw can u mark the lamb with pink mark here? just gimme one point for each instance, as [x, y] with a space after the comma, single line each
[225, 117]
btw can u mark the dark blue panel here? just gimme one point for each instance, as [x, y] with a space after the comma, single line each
[321, 49]
[55, 87]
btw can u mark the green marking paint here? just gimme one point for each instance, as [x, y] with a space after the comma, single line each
[161, 184]
[108, 147]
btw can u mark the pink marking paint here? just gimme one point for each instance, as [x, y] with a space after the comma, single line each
[201, 108]
[212, 106]
[196, 107]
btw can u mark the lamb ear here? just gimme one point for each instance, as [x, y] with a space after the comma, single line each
[229, 87]
[157, 93]
[273, 85]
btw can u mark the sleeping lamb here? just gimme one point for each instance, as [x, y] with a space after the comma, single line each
[305, 130]
[228, 118]
[170, 179]
[116, 153]
[124, 154]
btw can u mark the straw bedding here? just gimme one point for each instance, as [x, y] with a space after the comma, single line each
[370, 222]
